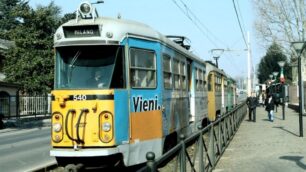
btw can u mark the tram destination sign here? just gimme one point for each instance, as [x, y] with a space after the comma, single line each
[81, 31]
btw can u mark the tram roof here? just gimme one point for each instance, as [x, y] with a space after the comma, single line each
[212, 67]
[120, 29]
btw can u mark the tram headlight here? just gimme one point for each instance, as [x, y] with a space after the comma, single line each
[57, 127]
[85, 8]
[106, 126]
[58, 36]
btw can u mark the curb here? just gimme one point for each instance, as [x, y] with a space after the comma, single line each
[28, 123]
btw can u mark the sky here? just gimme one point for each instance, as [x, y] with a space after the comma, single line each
[213, 25]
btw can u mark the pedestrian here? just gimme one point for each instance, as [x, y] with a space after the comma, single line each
[252, 103]
[263, 99]
[1, 121]
[269, 103]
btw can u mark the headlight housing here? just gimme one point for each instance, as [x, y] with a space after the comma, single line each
[106, 126]
[85, 8]
[57, 127]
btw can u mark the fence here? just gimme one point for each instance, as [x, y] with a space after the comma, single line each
[25, 106]
[208, 143]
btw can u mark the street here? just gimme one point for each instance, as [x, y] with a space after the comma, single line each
[25, 149]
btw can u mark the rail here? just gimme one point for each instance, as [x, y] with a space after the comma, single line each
[209, 144]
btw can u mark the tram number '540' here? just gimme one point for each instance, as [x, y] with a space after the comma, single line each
[79, 97]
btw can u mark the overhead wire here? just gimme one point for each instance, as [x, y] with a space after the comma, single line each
[237, 16]
[201, 23]
[241, 16]
[194, 22]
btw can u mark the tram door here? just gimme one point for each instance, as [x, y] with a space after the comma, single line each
[144, 97]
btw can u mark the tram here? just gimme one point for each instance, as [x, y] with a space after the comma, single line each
[121, 90]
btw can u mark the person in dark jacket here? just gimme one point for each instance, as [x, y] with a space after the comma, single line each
[252, 103]
[1, 121]
[269, 103]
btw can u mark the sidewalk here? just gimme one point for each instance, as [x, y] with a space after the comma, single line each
[266, 146]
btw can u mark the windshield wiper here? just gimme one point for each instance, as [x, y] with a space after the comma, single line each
[71, 65]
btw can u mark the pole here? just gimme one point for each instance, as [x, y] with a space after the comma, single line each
[216, 58]
[283, 106]
[282, 79]
[249, 67]
[301, 104]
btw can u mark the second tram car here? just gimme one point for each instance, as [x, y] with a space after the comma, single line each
[215, 90]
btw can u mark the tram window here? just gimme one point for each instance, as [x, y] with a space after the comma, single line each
[167, 71]
[197, 79]
[176, 67]
[209, 84]
[183, 75]
[183, 80]
[200, 81]
[203, 79]
[76, 67]
[142, 68]
[182, 68]
[118, 79]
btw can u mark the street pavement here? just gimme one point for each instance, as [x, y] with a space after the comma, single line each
[25, 149]
[14, 125]
[265, 146]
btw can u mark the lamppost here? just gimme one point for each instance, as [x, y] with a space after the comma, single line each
[282, 81]
[274, 88]
[299, 47]
[216, 53]
[275, 75]
[281, 77]
[271, 78]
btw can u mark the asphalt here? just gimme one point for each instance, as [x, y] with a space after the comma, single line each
[25, 124]
[265, 146]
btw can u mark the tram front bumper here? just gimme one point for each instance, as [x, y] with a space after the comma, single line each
[83, 152]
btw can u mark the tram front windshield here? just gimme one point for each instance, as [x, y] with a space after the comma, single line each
[89, 67]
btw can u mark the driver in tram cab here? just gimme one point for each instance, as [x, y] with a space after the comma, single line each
[96, 80]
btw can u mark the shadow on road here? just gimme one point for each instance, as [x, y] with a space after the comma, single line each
[282, 128]
[296, 159]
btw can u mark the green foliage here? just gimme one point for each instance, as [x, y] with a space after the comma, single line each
[67, 17]
[7, 20]
[269, 64]
[30, 63]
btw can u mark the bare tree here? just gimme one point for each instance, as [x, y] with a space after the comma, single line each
[280, 21]
[283, 22]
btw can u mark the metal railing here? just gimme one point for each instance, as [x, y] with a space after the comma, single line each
[36, 105]
[25, 106]
[208, 145]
